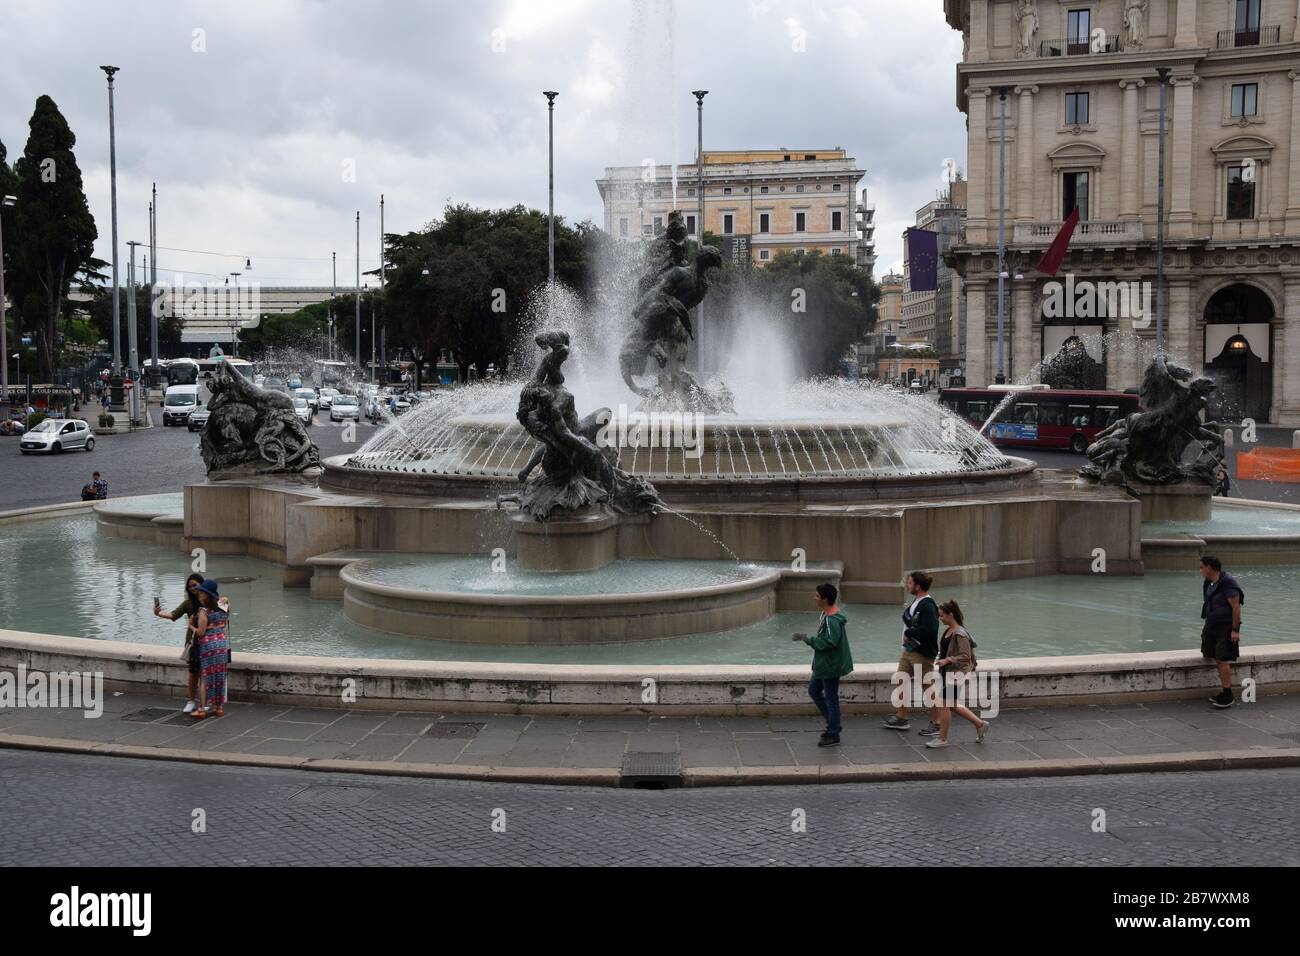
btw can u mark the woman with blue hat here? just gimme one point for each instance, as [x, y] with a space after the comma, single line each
[214, 650]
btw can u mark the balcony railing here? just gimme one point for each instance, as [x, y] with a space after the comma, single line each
[1088, 232]
[1078, 46]
[1262, 36]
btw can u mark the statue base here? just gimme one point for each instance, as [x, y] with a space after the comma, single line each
[579, 541]
[1185, 501]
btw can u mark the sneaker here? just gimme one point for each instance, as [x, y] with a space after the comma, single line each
[981, 732]
[894, 722]
[189, 706]
[936, 743]
[828, 741]
[931, 731]
[1222, 700]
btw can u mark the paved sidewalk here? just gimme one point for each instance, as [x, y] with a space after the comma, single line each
[1179, 734]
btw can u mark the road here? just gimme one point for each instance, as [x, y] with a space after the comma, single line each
[62, 809]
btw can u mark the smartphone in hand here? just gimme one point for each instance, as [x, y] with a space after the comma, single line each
[799, 637]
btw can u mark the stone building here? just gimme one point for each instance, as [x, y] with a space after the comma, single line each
[1079, 82]
[766, 201]
[933, 315]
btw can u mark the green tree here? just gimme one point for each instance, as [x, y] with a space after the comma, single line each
[53, 231]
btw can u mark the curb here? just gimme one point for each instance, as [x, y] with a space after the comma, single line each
[698, 777]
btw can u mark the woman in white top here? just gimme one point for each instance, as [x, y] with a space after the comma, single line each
[956, 658]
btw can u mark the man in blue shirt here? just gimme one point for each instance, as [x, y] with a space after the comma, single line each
[1221, 600]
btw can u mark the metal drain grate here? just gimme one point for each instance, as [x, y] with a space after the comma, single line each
[449, 728]
[334, 796]
[650, 771]
[148, 715]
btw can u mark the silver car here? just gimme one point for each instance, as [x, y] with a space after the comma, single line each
[302, 408]
[345, 406]
[58, 434]
[198, 418]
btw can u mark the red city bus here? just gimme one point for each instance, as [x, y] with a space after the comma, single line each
[1036, 416]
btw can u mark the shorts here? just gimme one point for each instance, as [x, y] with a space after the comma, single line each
[910, 659]
[1217, 642]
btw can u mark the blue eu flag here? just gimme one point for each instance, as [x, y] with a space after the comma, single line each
[923, 260]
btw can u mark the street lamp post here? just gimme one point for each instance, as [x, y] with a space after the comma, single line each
[374, 324]
[153, 281]
[115, 380]
[550, 186]
[1163, 73]
[6, 202]
[334, 282]
[133, 349]
[358, 292]
[699, 226]
[1001, 376]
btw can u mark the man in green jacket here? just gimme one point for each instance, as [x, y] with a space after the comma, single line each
[831, 661]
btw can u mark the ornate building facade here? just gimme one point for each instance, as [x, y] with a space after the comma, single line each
[1079, 84]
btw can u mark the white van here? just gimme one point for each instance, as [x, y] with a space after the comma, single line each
[178, 402]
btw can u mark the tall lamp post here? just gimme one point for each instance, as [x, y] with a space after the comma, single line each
[1001, 376]
[376, 333]
[132, 348]
[699, 226]
[1163, 73]
[334, 282]
[6, 202]
[153, 281]
[358, 292]
[115, 381]
[550, 185]
[234, 317]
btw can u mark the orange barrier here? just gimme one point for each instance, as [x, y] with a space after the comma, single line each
[1269, 464]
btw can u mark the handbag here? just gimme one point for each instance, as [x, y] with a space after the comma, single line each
[185, 651]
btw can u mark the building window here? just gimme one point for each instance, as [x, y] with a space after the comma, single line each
[764, 222]
[1075, 194]
[762, 189]
[799, 188]
[1241, 193]
[691, 191]
[726, 190]
[1076, 109]
[809, 155]
[835, 251]
[690, 225]
[659, 194]
[1077, 29]
[800, 220]
[622, 227]
[1245, 99]
[647, 229]
[728, 224]
[786, 158]
[837, 219]
[764, 254]
[1247, 22]
[835, 188]
[659, 225]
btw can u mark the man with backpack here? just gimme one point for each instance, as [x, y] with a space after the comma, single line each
[920, 648]
[1221, 601]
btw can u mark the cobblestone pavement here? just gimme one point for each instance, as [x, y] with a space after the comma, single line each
[60, 810]
[508, 740]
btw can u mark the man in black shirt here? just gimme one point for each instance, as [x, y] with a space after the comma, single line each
[1221, 602]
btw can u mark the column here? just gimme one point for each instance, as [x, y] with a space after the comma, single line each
[1293, 161]
[977, 166]
[977, 373]
[1179, 145]
[1178, 321]
[1185, 30]
[1130, 168]
[1024, 202]
[1023, 354]
[1287, 360]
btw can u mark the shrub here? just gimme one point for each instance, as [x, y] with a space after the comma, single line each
[106, 420]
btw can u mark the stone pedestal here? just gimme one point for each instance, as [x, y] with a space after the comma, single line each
[1189, 501]
[581, 541]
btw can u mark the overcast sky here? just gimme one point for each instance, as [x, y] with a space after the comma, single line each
[248, 125]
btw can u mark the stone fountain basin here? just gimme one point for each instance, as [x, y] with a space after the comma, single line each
[462, 599]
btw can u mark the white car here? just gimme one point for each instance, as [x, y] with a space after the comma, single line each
[345, 407]
[198, 418]
[302, 408]
[310, 395]
[56, 435]
[326, 397]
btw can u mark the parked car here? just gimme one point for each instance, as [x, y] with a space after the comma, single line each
[198, 418]
[58, 434]
[275, 383]
[178, 402]
[294, 383]
[345, 406]
[326, 397]
[310, 395]
[302, 408]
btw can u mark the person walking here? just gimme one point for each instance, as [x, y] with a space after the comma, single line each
[956, 659]
[920, 648]
[1221, 601]
[831, 661]
[214, 651]
[188, 609]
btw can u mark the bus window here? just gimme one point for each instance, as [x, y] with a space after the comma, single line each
[977, 411]
[1025, 414]
[1079, 415]
[1104, 415]
[1051, 413]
